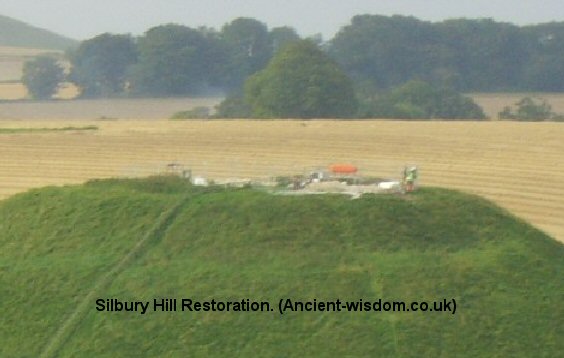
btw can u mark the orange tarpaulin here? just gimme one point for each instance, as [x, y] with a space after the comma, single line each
[343, 168]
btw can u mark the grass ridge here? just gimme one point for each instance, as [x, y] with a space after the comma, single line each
[161, 237]
[46, 129]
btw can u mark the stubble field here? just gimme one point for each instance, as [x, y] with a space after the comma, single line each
[518, 165]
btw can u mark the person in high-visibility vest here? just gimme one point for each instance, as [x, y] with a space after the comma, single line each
[409, 177]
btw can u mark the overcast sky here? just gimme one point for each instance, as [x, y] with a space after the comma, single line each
[81, 19]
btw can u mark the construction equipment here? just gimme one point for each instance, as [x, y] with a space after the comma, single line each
[409, 177]
[341, 169]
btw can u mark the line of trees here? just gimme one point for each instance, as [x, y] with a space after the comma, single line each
[377, 52]
[420, 100]
[376, 67]
[302, 81]
[169, 60]
[381, 52]
[530, 110]
[172, 59]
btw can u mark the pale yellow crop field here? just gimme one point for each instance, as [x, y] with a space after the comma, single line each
[518, 165]
[12, 91]
[23, 52]
[17, 91]
[12, 60]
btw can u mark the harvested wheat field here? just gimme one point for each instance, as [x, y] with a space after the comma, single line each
[518, 165]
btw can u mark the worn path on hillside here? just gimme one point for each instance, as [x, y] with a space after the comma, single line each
[156, 233]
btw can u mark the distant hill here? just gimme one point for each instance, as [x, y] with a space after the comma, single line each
[63, 249]
[19, 34]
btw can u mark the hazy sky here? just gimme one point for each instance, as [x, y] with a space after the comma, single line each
[81, 19]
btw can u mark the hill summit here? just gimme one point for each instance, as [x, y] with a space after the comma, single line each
[15, 33]
[159, 268]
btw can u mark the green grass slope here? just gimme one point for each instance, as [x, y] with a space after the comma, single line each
[19, 34]
[63, 248]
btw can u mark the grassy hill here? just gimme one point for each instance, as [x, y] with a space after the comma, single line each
[61, 249]
[19, 34]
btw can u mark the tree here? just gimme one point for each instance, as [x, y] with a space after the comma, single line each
[177, 60]
[384, 52]
[545, 69]
[300, 81]
[42, 77]
[280, 36]
[100, 64]
[529, 110]
[489, 55]
[421, 100]
[381, 52]
[234, 106]
[250, 48]
[545, 73]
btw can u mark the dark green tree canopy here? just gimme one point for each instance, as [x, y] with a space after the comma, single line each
[530, 109]
[42, 77]
[386, 51]
[379, 53]
[545, 71]
[301, 81]
[383, 52]
[176, 60]
[100, 64]
[250, 48]
[280, 36]
[421, 100]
